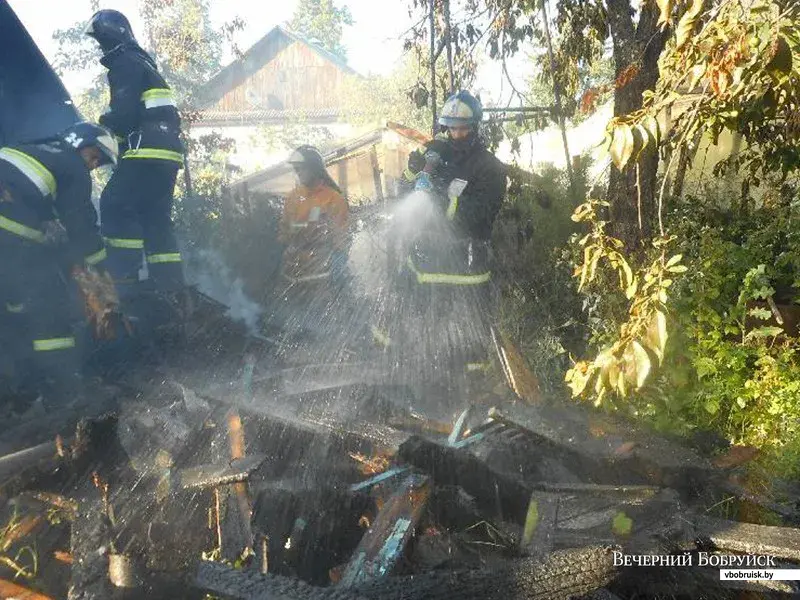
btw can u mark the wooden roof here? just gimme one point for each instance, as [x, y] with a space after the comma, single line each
[254, 59]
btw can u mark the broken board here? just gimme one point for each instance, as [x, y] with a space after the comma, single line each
[382, 546]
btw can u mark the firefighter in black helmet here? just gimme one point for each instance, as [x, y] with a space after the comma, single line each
[448, 266]
[136, 205]
[47, 222]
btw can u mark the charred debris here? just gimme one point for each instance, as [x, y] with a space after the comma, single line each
[207, 479]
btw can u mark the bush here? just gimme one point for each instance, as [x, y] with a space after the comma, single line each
[540, 307]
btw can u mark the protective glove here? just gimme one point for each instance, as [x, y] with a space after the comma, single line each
[423, 182]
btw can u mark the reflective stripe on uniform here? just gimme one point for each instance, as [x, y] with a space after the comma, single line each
[53, 344]
[167, 257]
[409, 175]
[98, 256]
[477, 366]
[452, 208]
[448, 278]
[32, 169]
[158, 97]
[128, 243]
[302, 225]
[22, 230]
[154, 153]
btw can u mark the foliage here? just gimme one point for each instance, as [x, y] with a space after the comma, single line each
[730, 49]
[740, 72]
[377, 99]
[185, 45]
[322, 20]
[540, 308]
[738, 370]
[625, 364]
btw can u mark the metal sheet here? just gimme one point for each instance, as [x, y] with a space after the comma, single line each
[33, 101]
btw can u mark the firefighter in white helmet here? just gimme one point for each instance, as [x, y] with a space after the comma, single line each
[448, 266]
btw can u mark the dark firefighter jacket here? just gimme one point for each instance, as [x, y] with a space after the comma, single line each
[143, 113]
[40, 183]
[469, 188]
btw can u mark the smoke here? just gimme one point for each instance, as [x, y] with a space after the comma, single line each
[207, 271]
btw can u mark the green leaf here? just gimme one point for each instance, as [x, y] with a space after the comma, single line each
[712, 406]
[622, 524]
[765, 332]
[531, 521]
[687, 22]
[760, 313]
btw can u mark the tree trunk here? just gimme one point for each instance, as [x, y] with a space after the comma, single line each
[640, 46]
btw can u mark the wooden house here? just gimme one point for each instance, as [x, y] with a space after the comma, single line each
[283, 79]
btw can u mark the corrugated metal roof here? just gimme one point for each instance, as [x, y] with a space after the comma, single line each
[250, 117]
[337, 154]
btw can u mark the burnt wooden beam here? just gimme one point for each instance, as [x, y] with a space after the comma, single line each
[562, 575]
[540, 524]
[762, 540]
[616, 449]
[456, 466]
[236, 470]
[382, 547]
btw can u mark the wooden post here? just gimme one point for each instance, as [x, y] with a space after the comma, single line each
[376, 173]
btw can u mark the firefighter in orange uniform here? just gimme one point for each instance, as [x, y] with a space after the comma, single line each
[313, 231]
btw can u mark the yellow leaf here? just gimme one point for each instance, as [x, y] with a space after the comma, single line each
[687, 22]
[640, 140]
[651, 125]
[587, 256]
[679, 269]
[656, 335]
[637, 364]
[593, 265]
[674, 260]
[665, 6]
[697, 73]
[622, 146]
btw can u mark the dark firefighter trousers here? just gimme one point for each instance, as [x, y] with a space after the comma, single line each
[36, 312]
[136, 220]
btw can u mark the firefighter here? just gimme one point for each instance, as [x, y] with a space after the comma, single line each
[47, 224]
[448, 264]
[136, 205]
[313, 232]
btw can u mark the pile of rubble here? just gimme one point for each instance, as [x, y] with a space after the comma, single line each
[184, 495]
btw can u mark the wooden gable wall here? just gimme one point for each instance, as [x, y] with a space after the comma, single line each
[297, 77]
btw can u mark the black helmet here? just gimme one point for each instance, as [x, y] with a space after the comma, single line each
[309, 156]
[83, 135]
[462, 108]
[111, 28]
